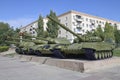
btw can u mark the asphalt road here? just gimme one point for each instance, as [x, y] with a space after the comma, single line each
[14, 69]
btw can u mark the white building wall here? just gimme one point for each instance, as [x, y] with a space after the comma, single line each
[67, 21]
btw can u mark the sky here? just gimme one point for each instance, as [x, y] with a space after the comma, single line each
[22, 12]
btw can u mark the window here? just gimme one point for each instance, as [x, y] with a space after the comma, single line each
[66, 36]
[103, 23]
[33, 32]
[34, 28]
[73, 23]
[59, 32]
[78, 29]
[83, 24]
[86, 25]
[86, 19]
[93, 24]
[90, 20]
[83, 30]
[30, 29]
[97, 21]
[78, 16]
[66, 18]
[78, 22]
[74, 30]
[66, 24]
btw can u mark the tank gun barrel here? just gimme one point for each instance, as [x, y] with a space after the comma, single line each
[50, 40]
[64, 27]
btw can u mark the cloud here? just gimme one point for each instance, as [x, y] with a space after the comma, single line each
[16, 23]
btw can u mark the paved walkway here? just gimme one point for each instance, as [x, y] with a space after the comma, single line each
[14, 69]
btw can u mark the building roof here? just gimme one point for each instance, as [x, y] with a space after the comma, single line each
[80, 13]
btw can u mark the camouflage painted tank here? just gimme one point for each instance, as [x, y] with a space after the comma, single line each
[46, 49]
[92, 47]
[30, 46]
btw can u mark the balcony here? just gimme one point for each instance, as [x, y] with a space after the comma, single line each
[78, 18]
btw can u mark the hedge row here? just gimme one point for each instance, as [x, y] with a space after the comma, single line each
[4, 48]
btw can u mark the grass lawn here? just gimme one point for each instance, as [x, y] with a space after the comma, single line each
[116, 52]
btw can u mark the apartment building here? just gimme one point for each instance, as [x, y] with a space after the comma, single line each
[78, 22]
[31, 28]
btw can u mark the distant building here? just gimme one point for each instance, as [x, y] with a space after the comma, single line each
[78, 22]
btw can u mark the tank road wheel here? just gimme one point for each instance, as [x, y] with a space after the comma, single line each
[100, 55]
[103, 56]
[105, 53]
[111, 53]
[37, 52]
[96, 55]
[58, 54]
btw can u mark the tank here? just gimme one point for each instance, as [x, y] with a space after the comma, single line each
[92, 47]
[47, 49]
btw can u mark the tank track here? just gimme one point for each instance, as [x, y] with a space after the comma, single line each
[18, 50]
[37, 52]
[97, 55]
[58, 54]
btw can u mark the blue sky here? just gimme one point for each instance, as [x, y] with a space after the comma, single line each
[23, 12]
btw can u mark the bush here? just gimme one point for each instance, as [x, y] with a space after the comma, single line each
[116, 52]
[4, 48]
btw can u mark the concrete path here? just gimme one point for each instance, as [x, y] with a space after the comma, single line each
[14, 69]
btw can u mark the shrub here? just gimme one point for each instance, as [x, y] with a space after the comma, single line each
[116, 52]
[4, 48]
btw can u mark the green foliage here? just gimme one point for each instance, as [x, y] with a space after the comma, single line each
[3, 48]
[99, 32]
[40, 30]
[7, 32]
[45, 34]
[4, 27]
[52, 27]
[117, 36]
[116, 52]
[4, 31]
[109, 33]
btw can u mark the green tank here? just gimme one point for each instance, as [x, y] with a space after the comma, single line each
[46, 49]
[30, 46]
[92, 47]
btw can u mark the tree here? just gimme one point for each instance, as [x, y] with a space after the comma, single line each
[117, 35]
[4, 27]
[52, 26]
[4, 31]
[109, 33]
[99, 32]
[40, 30]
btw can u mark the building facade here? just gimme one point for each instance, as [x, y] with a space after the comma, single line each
[78, 22]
